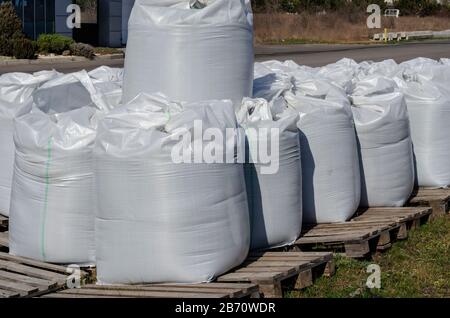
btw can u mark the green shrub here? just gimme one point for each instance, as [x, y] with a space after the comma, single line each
[54, 43]
[82, 49]
[5, 46]
[10, 24]
[24, 49]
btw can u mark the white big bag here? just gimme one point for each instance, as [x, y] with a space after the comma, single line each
[53, 191]
[427, 97]
[331, 173]
[161, 218]
[385, 146]
[190, 50]
[274, 188]
[16, 90]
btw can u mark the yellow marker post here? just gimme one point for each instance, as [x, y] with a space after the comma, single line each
[385, 34]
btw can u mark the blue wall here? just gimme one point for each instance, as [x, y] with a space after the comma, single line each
[61, 17]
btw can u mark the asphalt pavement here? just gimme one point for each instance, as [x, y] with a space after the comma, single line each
[306, 54]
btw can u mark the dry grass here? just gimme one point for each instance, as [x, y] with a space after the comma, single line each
[334, 27]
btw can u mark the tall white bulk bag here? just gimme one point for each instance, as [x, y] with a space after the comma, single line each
[274, 189]
[428, 104]
[53, 196]
[160, 219]
[16, 90]
[190, 53]
[52, 201]
[385, 146]
[330, 167]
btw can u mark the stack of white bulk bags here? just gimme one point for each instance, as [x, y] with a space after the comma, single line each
[331, 173]
[15, 99]
[340, 73]
[274, 187]
[190, 50]
[164, 213]
[386, 155]
[427, 96]
[53, 191]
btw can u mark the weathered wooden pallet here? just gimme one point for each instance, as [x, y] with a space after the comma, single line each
[23, 277]
[4, 241]
[3, 223]
[274, 270]
[437, 199]
[89, 272]
[408, 218]
[206, 290]
[371, 230]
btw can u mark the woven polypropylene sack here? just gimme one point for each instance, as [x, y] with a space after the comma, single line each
[384, 141]
[190, 54]
[330, 167]
[16, 90]
[160, 219]
[52, 201]
[274, 189]
[428, 103]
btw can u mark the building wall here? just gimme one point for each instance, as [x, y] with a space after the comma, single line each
[113, 18]
[61, 17]
[42, 16]
[127, 5]
[110, 22]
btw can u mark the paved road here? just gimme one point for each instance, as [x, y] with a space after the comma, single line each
[318, 55]
[308, 54]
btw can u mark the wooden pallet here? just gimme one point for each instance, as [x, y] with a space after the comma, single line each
[274, 270]
[4, 241]
[89, 272]
[437, 199]
[371, 230]
[206, 290]
[23, 277]
[3, 223]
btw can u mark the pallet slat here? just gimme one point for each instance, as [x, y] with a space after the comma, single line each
[23, 277]
[206, 290]
[3, 221]
[28, 261]
[369, 231]
[4, 239]
[437, 199]
[271, 270]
